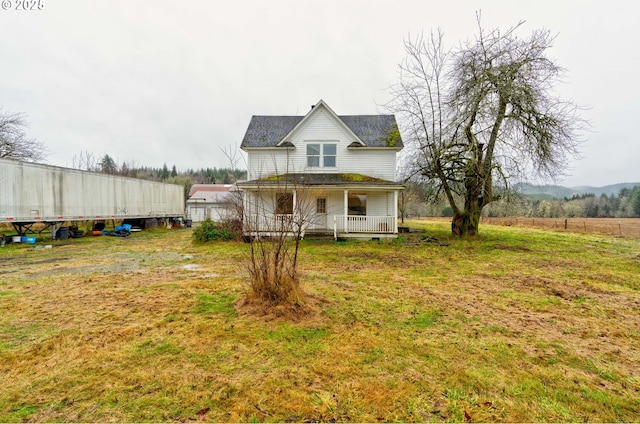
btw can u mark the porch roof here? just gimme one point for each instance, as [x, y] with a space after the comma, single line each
[337, 180]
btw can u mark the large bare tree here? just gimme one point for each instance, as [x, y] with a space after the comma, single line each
[14, 142]
[483, 115]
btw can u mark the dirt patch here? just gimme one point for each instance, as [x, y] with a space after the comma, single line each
[12, 265]
[307, 310]
[31, 262]
[416, 239]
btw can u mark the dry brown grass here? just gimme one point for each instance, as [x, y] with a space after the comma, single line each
[305, 308]
[619, 227]
[517, 325]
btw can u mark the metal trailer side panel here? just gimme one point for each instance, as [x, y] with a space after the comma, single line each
[36, 192]
[6, 189]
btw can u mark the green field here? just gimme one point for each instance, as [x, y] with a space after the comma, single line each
[516, 325]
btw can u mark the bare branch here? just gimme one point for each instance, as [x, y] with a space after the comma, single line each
[483, 112]
[14, 143]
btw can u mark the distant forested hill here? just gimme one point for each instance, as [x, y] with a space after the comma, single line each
[560, 192]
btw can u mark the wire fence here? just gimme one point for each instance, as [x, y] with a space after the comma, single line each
[620, 227]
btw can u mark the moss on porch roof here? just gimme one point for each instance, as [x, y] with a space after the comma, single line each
[322, 179]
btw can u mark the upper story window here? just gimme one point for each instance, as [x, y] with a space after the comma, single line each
[321, 155]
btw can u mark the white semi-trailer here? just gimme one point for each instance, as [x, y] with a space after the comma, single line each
[35, 193]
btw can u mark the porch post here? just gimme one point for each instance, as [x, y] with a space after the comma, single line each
[346, 210]
[395, 211]
[295, 202]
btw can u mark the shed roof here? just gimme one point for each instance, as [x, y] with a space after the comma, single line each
[210, 188]
[210, 197]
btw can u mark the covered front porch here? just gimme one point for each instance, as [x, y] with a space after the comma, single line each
[345, 209]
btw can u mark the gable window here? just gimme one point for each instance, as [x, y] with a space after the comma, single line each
[321, 155]
[284, 204]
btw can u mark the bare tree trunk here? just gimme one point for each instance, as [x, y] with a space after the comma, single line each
[466, 222]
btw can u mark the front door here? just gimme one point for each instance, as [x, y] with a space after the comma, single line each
[319, 222]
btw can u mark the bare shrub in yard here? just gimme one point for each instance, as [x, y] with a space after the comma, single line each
[274, 213]
[273, 272]
[274, 224]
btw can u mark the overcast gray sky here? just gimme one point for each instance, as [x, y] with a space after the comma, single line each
[174, 81]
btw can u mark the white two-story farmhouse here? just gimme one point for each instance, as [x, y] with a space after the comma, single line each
[338, 171]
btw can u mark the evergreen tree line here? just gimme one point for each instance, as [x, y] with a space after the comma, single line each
[197, 176]
[626, 204]
[108, 165]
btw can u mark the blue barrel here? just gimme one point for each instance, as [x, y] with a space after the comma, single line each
[29, 239]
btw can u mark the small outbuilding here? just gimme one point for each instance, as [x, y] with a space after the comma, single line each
[212, 201]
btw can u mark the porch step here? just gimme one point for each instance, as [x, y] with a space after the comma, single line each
[318, 235]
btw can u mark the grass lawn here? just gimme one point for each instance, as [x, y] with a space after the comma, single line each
[516, 325]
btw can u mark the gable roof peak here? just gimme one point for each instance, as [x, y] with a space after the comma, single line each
[365, 130]
[314, 110]
[319, 103]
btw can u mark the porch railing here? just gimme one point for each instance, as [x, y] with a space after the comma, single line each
[364, 224]
[271, 223]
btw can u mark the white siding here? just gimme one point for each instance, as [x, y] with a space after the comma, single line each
[261, 203]
[321, 127]
[377, 204]
[267, 162]
[374, 163]
[335, 204]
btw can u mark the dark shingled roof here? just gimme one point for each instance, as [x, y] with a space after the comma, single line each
[268, 131]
